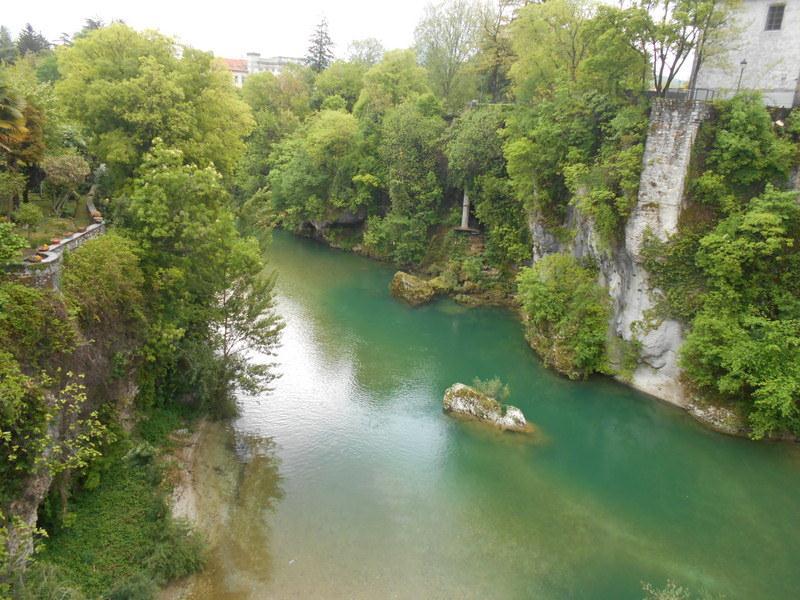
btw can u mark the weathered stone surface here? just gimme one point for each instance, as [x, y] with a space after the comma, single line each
[464, 400]
[670, 137]
[718, 418]
[411, 289]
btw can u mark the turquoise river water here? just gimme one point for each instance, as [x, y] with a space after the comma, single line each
[357, 485]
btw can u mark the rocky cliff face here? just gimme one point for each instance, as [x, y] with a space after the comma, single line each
[670, 138]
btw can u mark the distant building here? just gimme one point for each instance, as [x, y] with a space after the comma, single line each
[240, 68]
[763, 54]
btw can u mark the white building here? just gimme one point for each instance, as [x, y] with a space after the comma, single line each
[763, 54]
[240, 68]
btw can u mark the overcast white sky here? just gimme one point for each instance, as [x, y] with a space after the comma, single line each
[230, 28]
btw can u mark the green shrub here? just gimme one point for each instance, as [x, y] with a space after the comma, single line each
[494, 388]
[567, 314]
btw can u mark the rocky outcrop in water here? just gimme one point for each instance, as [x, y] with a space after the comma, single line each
[463, 400]
[411, 289]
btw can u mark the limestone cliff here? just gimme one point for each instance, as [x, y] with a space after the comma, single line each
[670, 137]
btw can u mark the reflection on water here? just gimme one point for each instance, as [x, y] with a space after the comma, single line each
[348, 481]
[239, 484]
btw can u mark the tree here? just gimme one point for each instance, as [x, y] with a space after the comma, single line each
[177, 214]
[313, 171]
[473, 148]
[31, 42]
[566, 314]
[495, 52]
[127, 88]
[745, 342]
[446, 39]
[10, 243]
[65, 172]
[28, 215]
[12, 186]
[551, 42]
[320, 49]
[12, 116]
[245, 322]
[8, 51]
[341, 78]
[396, 78]
[367, 52]
[674, 30]
[410, 150]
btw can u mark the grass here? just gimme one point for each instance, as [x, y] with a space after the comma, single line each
[119, 538]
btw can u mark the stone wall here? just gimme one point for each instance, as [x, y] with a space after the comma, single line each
[47, 273]
[668, 150]
[671, 134]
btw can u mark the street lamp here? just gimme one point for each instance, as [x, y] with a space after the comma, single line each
[743, 65]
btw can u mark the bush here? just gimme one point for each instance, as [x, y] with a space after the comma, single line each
[566, 314]
[494, 388]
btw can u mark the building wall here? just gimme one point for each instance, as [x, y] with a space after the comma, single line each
[773, 57]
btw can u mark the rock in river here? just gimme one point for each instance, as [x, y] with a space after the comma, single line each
[464, 400]
[412, 289]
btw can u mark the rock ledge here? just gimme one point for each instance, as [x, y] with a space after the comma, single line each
[464, 400]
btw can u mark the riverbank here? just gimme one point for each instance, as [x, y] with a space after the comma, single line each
[222, 482]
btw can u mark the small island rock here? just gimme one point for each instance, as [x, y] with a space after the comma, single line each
[412, 289]
[464, 400]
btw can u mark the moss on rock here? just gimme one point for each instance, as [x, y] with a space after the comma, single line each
[411, 289]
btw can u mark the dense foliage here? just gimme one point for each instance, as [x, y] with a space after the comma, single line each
[566, 314]
[168, 302]
[732, 272]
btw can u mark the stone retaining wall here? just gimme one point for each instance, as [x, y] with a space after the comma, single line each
[47, 273]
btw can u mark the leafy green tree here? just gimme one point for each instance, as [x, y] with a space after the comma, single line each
[271, 127]
[12, 186]
[410, 149]
[290, 91]
[10, 243]
[508, 236]
[396, 78]
[344, 79]
[674, 30]
[245, 321]
[178, 215]
[446, 40]
[29, 216]
[745, 342]
[566, 313]
[65, 172]
[495, 52]
[366, 52]
[474, 146]
[128, 88]
[104, 285]
[320, 48]
[312, 178]
[746, 153]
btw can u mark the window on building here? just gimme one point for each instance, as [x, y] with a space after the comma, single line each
[775, 17]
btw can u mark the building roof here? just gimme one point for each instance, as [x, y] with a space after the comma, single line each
[236, 65]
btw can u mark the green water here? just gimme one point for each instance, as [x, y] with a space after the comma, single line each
[379, 494]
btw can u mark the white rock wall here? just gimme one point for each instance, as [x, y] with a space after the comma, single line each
[670, 138]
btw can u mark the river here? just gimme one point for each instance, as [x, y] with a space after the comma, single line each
[347, 480]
